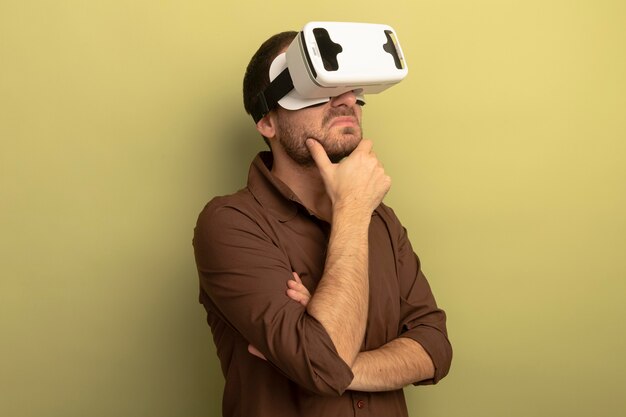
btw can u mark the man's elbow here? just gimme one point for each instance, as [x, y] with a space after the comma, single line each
[438, 347]
[334, 388]
[442, 361]
[313, 362]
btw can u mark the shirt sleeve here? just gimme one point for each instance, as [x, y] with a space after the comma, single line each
[245, 274]
[421, 319]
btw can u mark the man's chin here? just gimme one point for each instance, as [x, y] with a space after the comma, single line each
[345, 142]
[338, 154]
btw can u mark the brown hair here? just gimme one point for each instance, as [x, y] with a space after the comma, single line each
[257, 76]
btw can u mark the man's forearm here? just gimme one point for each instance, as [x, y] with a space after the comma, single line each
[355, 187]
[392, 366]
[340, 302]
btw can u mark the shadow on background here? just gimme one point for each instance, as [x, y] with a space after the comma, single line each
[234, 147]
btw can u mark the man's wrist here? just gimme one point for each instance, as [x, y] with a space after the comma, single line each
[354, 212]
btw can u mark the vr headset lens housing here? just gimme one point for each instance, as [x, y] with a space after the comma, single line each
[327, 59]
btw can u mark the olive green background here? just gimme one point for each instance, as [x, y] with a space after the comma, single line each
[506, 146]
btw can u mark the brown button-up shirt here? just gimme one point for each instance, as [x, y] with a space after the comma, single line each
[246, 247]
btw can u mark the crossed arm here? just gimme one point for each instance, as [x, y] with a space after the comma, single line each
[392, 366]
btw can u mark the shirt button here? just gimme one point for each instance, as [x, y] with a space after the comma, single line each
[360, 404]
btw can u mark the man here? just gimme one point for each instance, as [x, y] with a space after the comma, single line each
[315, 298]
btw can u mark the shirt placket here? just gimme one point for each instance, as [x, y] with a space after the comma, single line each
[360, 404]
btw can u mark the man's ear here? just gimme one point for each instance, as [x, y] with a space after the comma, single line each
[266, 126]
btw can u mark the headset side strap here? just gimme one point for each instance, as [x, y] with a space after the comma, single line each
[267, 100]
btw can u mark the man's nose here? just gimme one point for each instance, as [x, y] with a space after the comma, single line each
[345, 99]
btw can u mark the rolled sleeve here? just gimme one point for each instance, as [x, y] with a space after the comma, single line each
[427, 326]
[244, 273]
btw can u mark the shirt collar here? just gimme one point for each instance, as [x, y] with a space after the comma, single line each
[271, 193]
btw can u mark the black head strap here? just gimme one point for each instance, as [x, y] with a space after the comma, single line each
[268, 99]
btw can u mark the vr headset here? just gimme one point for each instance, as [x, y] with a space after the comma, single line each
[327, 59]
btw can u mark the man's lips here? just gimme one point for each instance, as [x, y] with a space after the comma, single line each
[343, 120]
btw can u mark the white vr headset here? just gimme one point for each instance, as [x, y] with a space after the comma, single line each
[327, 59]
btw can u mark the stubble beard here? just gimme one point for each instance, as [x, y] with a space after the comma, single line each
[337, 143]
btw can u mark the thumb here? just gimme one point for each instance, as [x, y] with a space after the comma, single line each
[319, 154]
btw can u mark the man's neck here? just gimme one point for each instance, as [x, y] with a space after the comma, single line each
[306, 183]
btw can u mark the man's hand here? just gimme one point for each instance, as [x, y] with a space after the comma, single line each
[358, 181]
[256, 352]
[297, 291]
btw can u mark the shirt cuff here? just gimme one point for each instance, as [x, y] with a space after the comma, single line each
[438, 348]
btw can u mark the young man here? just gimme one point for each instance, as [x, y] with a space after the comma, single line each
[315, 298]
